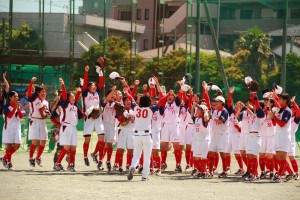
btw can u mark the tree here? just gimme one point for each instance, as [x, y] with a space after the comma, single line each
[23, 38]
[118, 59]
[293, 74]
[254, 51]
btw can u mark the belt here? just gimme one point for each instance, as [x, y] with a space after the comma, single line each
[146, 131]
[253, 132]
[37, 118]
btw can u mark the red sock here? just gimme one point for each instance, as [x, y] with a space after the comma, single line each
[211, 162]
[288, 168]
[8, 154]
[262, 164]
[151, 162]
[101, 150]
[117, 158]
[255, 167]
[245, 159]
[224, 164]
[62, 154]
[72, 157]
[32, 150]
[121, 159]
[250, 165]
[203, 165]
[282, 167]
[98, 146]
[85, 149]
[13, 150]
[295, 165]
[141, 162]
[40, 151]
[199, 165]
[129, 159]
[109, 153]
[188, 156]
[216, 160]
[271, 164]
[164, 154]
[157, 160]
[192, 159]
[239, 161]
[277, 163]
[228, 161]
[178, 156]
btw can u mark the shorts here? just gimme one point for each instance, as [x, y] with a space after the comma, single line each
[11, 136]
[282, 142]
[93, 124]
[155, 133]
[37, 130]
[292, 149]
[200, 148]
[169, 133]
[186, 134]
[218, 142]
[253, 144]
[267, 144]
[243, 142]
[110, 135]
[233, 143]
[68, 135]
[125, 138]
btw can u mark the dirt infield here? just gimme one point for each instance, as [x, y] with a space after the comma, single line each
[26, 182]
[87, 183]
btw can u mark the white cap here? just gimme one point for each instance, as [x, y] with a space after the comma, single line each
[185, 87]
[266, 95]
[220, 98]
[248, 79]
[203, 107]
[151, 81]
[114, 75]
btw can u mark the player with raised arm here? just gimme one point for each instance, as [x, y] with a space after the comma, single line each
[142, 135]
[39, 111]
[90, 98]
[70, 114]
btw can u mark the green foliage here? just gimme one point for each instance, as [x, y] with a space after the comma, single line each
[23, 38]
[293, 74]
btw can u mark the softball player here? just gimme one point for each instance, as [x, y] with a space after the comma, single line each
[39, 111]
[12, 128]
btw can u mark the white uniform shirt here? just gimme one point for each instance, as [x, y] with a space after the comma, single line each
[201, 130]
[221, 128]
[245, 116]
[35, 105]
[171, 113]
[14, 121]
[284, 114]
[89, 100]
[70, 114]
[185, 116]
[267, 128]
[232, 121]
[143, 117]
[109, 113]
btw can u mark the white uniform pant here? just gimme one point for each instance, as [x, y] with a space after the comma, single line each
[142, 143]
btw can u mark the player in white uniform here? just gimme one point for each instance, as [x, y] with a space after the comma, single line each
[186, 127]
[69, 116]
[39, 111]
[12, 128]
[90, 99]
[234, 134]
[125, 134]
[201, 139]
[267, 148]
[282, 134]
[109, 121]
[169, 109]
[257, 116]
[295, 124]
[219, 134]
[142, 136]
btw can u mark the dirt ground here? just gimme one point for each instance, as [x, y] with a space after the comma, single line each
[26, 182]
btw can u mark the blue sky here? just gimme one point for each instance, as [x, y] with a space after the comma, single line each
[57, 6]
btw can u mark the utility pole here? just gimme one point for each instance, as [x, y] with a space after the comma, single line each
[284, 40]
[104, 28]
[197, 70]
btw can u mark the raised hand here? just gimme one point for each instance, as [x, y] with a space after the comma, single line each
[231, 90]
[61, 81]
[33, 79]
[87, 68]
[293, 99]
[136, 82]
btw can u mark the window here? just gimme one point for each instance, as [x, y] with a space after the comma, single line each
[125, 15]
[227, 13]
[147, 14]
[139, 14]
[246, 14]
[295, 13]
[146, 44]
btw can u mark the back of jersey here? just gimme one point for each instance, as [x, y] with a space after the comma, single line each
[143, 117]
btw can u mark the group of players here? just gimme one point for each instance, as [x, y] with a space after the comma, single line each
[148, 125]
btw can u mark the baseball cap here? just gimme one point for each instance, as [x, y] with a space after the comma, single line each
[220, 98]
[203, 107]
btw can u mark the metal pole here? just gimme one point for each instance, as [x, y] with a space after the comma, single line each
[131, 35]
[214, 39]
[104, 28]
[3, 33]
[197, 70]
[10, 22]
[218, 22]
[284, 40]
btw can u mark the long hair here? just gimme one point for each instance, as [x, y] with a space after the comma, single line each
[145, 101]
[11, 94]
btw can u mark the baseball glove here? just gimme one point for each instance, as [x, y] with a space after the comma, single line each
[95, 114]
[253, 86]
[55, 134]
[101, 62]
[119, 108]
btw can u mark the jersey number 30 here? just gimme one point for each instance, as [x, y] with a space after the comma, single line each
[142, 113]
